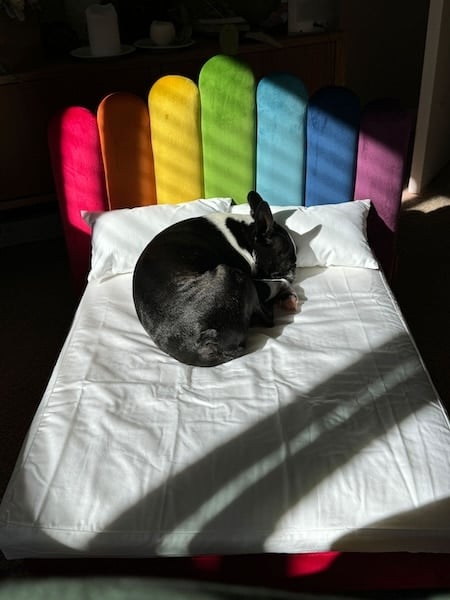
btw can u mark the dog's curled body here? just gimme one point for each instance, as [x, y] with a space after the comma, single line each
[194, 288]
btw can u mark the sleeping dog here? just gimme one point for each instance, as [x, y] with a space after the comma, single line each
[202, 282]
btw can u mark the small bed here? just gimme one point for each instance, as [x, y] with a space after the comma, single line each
[318, 460]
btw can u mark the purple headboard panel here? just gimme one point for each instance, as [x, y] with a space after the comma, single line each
[383, 144]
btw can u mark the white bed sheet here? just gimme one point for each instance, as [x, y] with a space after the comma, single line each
[327, 435]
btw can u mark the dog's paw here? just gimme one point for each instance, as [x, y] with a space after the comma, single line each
[289, 302]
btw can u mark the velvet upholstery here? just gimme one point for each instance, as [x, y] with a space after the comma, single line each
[383, 145]
[223, 138]
[281, 142]
[227, 94]
[79, 181]
[124, 128]
[174, 106]
[332, 139]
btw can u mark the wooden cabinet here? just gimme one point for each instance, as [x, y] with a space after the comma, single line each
[27, 100]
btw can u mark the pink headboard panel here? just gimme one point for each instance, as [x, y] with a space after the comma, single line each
[79, 180]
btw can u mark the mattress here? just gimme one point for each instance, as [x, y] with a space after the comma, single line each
[326, 435]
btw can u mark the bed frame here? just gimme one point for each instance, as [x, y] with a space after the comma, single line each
[222, 137]
[182, 145]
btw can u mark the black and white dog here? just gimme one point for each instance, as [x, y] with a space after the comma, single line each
[202, 282]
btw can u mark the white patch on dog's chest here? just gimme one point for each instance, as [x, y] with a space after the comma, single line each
[219, 220]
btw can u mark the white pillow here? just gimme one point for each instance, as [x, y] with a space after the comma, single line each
[244, 209]
[120, 236]
[332, 234]
[280, 213]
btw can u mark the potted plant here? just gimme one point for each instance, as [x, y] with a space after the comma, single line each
[20, 35]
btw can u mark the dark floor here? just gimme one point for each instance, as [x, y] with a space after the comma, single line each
[422, 283]
[37, 306]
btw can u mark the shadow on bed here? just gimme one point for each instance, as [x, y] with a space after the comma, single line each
[229, 482]
[421, 518]
[242, 477]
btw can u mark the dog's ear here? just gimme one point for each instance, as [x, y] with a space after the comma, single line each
[262, 216]
[254, 199]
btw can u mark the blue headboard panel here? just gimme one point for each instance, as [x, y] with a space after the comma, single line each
[332, 128]
[281, 103]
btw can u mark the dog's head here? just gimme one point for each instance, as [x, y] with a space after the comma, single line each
[274, 249]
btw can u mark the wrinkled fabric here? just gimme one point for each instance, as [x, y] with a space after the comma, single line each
[326, 435]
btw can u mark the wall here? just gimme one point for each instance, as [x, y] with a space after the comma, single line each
[385, 43]
[432, 142]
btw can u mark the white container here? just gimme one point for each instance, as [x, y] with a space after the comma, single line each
[162, 33]
[103, 30]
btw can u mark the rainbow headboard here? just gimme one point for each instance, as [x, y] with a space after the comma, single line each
[224, 136]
